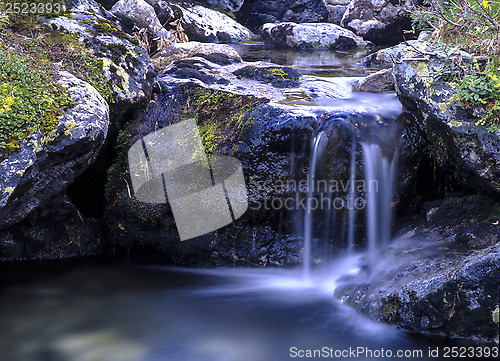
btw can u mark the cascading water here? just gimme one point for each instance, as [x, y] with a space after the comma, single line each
[352, 196]
[379, 178]
[318, 147]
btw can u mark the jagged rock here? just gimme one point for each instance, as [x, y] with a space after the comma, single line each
[443, 279]
[379, 21]
[242, 110]
[88, 6]
[254, 14]
[380, 59]
[55, 230]
[127, 65]
[216, 53]
[46, 164]
[338, 2]
[379, 82]
[337, 13]
[141, 14]
[446, 126]
[226, 5]
[210, 26]
[310, 36]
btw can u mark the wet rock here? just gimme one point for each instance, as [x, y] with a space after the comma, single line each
[226, 5]
[443, 279]
[55, 230]
[280, 77]
[379, 82]
[254, 14]
[447, 128]
[310, 36]
[210, 26]
[381, 22]
[337, 13]
[239, 113]
[216, 53]
[140, 14]
[127, 65]
[46, 164]
[383, 58]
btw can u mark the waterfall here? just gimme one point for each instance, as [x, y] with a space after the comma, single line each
[379, 177]
[352, 196]
[316, 150]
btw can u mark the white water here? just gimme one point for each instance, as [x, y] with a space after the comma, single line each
[379, 177]
[352, 196]
[317, 148]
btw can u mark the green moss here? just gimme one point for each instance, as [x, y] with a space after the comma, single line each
[30, 100]
[24, 14]
[496, 315]
[390, 311]
[222, 116]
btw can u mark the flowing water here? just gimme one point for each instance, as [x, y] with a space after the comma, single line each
[146, 313]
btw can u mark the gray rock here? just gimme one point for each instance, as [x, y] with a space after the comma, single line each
[337, 13]
[310, 36]
[139, 13]
[379, 82]
[221, 53]
[338, 2]
[447, 127]
[89, 6]
[256, 13]
[46, 164]
[127, 65]
[380, 59]
[379, 21]
[210, 26]
[226, 5]
[442, 280]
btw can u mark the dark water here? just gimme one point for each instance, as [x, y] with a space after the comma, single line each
[155, 313]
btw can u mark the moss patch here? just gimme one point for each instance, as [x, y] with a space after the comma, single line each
[222, 116]
[30, 99]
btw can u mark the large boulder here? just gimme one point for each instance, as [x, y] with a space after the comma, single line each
[221, 53]
[380, 21]
[254, 14]
[45, 165]
[138, 13]
[247, 111]
[446, 126]
[441, 278]
[210, 26]
[321, 36]
[226, 5]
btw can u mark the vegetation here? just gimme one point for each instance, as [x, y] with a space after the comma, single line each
[472, 26]
[29, 101]
[30, 57]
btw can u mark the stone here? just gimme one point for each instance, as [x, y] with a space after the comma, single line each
[337, 13]
[380, 21]
[46, 164]
[447, 128]
[218, 53]
[226, 5]
[140, 14]
[379, 82]
[254, 14]
[210, 26]
[310, 36]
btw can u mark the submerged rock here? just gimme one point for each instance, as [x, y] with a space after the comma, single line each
[310, 36]
[256, 13]
[381, 22]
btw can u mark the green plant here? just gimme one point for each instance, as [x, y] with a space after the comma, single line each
[22, 14]
[482, 89]
[29, 100]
